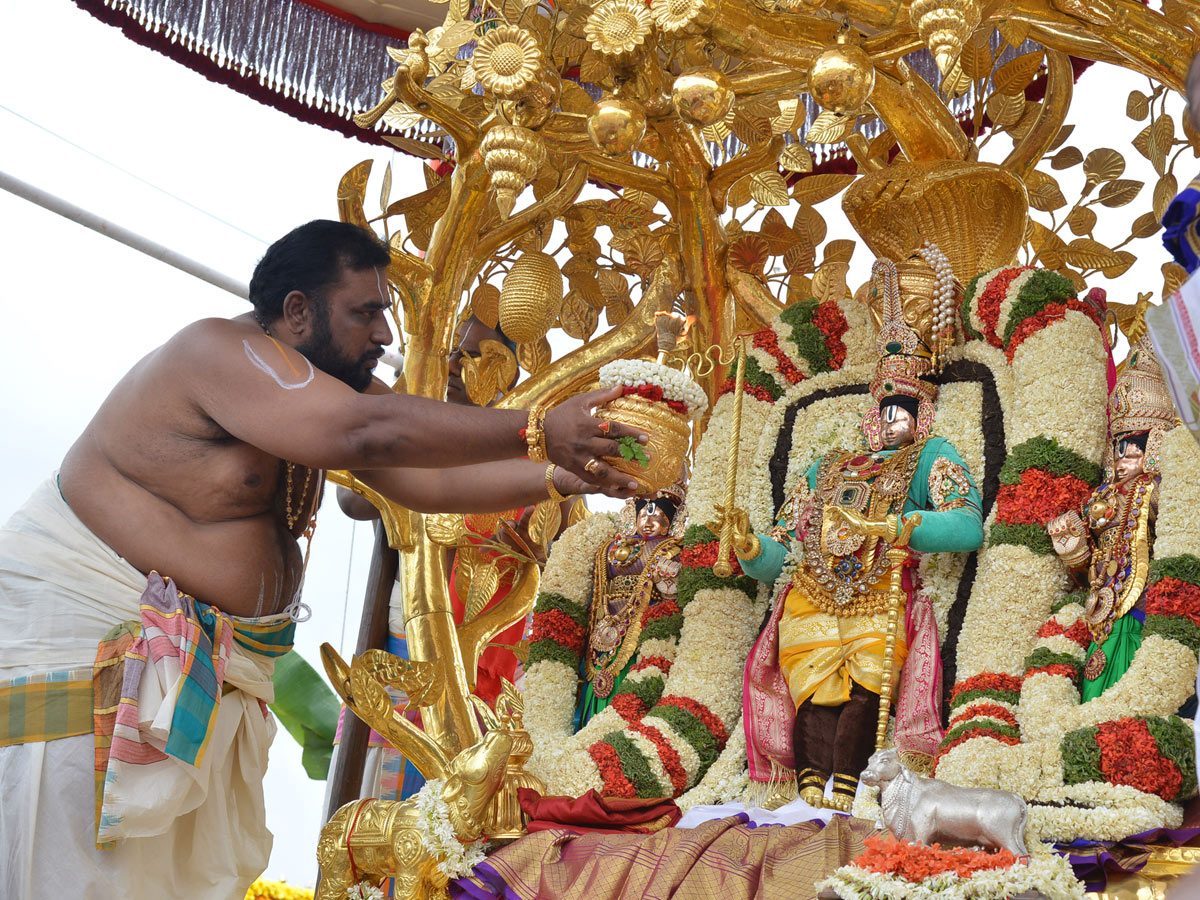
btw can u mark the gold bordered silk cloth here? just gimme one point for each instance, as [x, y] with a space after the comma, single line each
[726, 858]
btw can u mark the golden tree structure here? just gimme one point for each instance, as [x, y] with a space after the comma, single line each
[709, 121]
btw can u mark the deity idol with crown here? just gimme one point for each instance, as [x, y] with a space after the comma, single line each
[633, 574]
[814, 676]
[1108, 544]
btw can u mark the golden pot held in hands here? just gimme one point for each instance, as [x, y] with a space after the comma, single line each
[669, 436]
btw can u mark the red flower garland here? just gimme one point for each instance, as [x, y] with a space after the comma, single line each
[1173, 597]
[1059, 669]
[555, 625]
[701, 712]
[1052, 312]
[657, 662]
[628, 706]
[974, 734]
[758, 392]
[830, 320]
[987, 681]
[704, 556]
[1050, 629]
[1039, 497]
[668, 755]
[609, 764]
[1080, 633]
[660, 611]
[987, 303]
[1129, 755]
[985, 710]
[654, 393]
[916, 862]
[768, 340]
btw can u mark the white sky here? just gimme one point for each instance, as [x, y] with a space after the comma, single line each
[79, 309]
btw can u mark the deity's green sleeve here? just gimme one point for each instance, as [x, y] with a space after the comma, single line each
[944, 492]
[769, 563]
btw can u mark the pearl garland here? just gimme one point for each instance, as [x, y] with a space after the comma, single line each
[676, 385]
[943, 298]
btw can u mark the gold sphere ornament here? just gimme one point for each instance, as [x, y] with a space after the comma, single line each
[512, 155]
[944, 26]
[530, 297]
[842, 78]
[616, 126]
[702, 96]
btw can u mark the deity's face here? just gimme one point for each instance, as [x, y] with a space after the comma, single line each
[652, 521]
[1130, 460]
[899, 427]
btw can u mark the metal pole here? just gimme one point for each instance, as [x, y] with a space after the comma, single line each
[130, 239]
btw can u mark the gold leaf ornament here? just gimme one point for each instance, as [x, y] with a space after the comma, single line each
[1164, 192]
[1014, 76]
[830, 128]
[534, 356]
[1082, 220]
[1044, 192]
[578, 318]
[1137, 107]
[445, 529]
[814, 189]
[492, 373]
[1085, 253]
[768, 188]
[416, 678]
[1174, 275]
[485, 304]
[484, 582]
[1120, 192]
[1146, 225]
[1066, 157]
[1005, 109]
[544, 524]
[1104, 164]
[796, 158]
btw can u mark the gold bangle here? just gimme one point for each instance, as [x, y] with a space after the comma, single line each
[748, 552]
[550, 488]
[535, 433]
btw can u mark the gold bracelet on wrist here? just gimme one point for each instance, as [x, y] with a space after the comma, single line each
[554, 493]
[535, 433]
[749, 550]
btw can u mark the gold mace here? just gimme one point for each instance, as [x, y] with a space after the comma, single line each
[896, 555]
[722, 568]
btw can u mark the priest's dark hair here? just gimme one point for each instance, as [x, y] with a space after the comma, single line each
[309, 259]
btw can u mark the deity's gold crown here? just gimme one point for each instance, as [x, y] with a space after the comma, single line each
[904, 355]
[1140, 401]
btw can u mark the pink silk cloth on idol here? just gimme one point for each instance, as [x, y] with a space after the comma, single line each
[768, 714]
[726, 858]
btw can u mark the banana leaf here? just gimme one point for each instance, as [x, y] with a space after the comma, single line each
[308, 709]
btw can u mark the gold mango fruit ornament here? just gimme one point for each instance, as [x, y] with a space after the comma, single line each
[842, 77]
[702, 96]
[616, 126]
[530, 297]
[512, 156]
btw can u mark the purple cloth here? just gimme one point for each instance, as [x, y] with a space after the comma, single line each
[1095, 861]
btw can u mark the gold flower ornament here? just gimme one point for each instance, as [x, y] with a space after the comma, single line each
[617, 29]
[507, 60]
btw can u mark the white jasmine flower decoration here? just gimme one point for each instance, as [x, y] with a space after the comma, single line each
[364, 890]
[455, 859]
[676, 385]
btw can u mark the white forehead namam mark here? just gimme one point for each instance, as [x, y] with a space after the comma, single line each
[259, 363]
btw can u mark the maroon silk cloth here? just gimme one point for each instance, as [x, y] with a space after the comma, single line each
[601, 815]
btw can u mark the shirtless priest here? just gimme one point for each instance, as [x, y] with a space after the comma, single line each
[146, 588]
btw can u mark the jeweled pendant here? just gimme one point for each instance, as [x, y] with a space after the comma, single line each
[602, 684]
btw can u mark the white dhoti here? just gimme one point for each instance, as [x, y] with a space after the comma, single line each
[185, 830]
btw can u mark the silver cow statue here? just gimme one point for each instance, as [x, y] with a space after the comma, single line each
[924, 810]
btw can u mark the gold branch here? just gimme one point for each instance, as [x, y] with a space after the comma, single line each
[547, 208]
[725, 176]
[466, 133]
[1060, 84]
[615, 171]
[474, 636]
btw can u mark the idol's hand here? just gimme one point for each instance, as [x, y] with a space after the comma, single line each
[745, 541]
[1068, 537]
[852, 521]
[578, 441]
